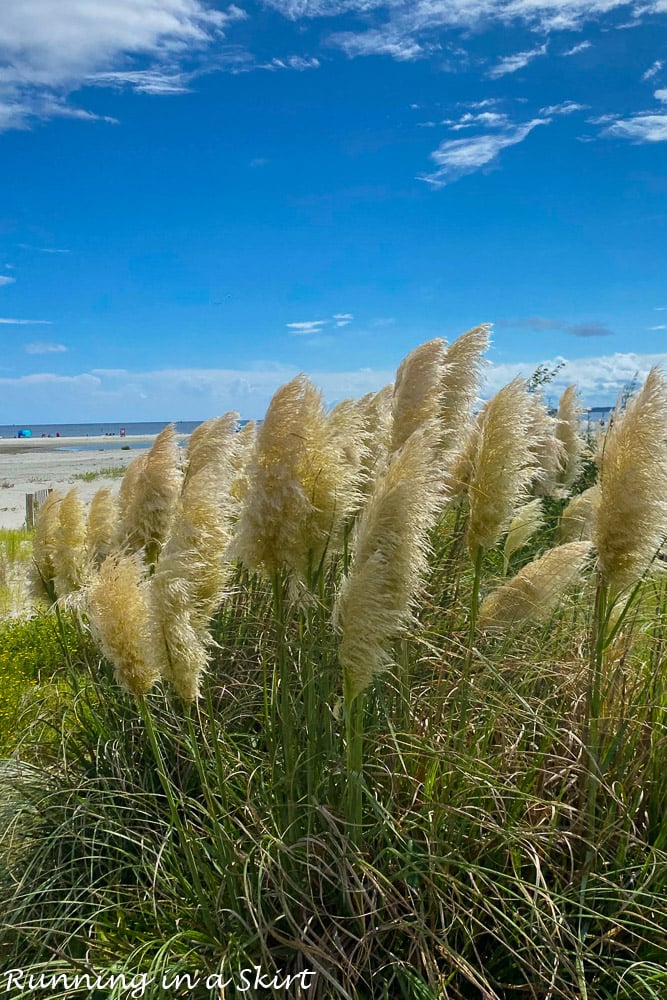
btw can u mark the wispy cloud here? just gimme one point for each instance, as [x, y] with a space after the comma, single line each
[653, 70]
[576, 49]
[28, 246]
[5, 279]
[299, 63]
[510, 64]
[660, 326]
[45, 58]
[564, 108]
[661, 95]
[455, 158]
[43, 347]
[343, 319]
[639, 128]
[306, 328]
[24, 322]
[485, 119]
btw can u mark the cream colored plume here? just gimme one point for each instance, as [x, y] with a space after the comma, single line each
[69, 552]
[418, 390]
[502, 466]
[208, 442]
[576, 521]
[461, 383]
[102, 527]
[527, 521]
[148, 499]
[568, 432]
[547, 448]
[188, 583]
[534, 593]
[377, 429]
[301, 486]
[390, 558]
[119, 617]
[245, 445]
[630, 510]
[42, 571]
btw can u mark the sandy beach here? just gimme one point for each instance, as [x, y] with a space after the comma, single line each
[31, 464]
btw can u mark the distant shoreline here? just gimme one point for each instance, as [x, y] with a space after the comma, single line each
[14, 446]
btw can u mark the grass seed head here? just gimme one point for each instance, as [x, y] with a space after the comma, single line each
[119, 617]
[418, 390]
[630, 509]
[534, 593]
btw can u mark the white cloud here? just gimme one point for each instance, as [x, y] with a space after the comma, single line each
[564, 108]
[660, 326]
[5, 279]
[28, 246]
[661, 95]
[307, 327]
[409, 28]
[43, 347]
[24, 322]
[653, 70]
[298, 63]
[640, 128]
[576, 49]
[43, 57]
[118, 395]
[599, 379]
[510, 64]
[343, 319]
[487, 119]
[455, 158]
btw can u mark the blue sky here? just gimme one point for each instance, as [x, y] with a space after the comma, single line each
[199, 200]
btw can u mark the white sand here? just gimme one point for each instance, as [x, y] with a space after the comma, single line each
[27, 465]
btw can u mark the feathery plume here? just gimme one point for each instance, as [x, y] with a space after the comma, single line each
[527, 521]
[548, 450]
[300, 486]
[576, 521]
[208, 441]
[503, 465]
[630, 510]
[377, 418]
[568, 433]
[119, 617]
[246, 440]
[418, 390]
[42, 571]
[535, 591]
[152, 492]
[461, 382]
[188, 583]
[102, 527]
[390, 558]
[69, 553]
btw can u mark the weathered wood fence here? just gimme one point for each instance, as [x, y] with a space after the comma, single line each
[33, 502]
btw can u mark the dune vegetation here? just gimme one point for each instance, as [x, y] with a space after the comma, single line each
[371, 699]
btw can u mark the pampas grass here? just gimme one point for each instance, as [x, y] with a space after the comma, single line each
[576, 521]
[148, 498]
[418, 390]
[301, 487]
[534, 593]
[69, 551]
[630, 509]
[464, 363]
[390, 556]
[526, 522]
[119, 616]
[102, 527]
[568, 433]
[42, 571]
[502, 464]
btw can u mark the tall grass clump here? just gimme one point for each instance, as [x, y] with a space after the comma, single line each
[351, 717]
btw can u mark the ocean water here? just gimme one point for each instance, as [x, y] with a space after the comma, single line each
[95, 430]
